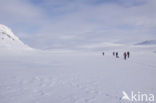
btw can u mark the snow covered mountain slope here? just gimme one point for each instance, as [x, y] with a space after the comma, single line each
[9, 41]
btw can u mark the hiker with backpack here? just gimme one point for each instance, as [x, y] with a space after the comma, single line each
[125, 55]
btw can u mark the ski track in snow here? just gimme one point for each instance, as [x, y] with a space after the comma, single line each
[42, 86]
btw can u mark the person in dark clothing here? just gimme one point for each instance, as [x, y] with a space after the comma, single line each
[113, 53]
[117, 56]
[125, 55]
[128, 54]
[103, 53]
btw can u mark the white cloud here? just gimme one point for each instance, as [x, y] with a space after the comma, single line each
[20, 11]
[78, 23]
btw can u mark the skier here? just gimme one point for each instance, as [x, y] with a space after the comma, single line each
[125, 55]
[113, 53]
[128, 54]
[117, 56]
[103, 53]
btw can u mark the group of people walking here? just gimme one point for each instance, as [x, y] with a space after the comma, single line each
[116, 54]
[125, 54]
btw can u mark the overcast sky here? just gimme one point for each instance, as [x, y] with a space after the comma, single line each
[75, 23]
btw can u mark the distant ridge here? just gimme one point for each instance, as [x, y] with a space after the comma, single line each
[147, 42]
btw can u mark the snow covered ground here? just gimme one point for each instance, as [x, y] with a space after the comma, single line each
[74, 77]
